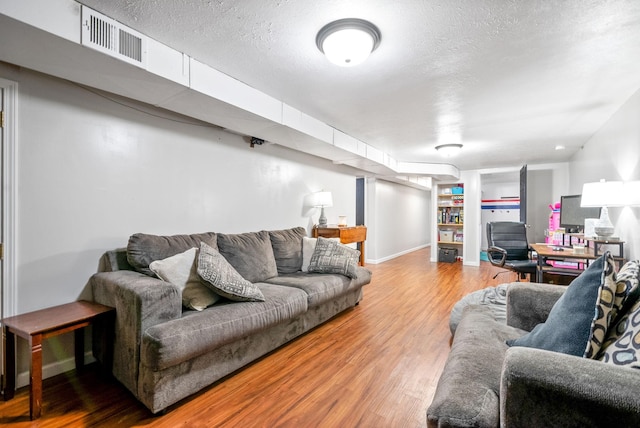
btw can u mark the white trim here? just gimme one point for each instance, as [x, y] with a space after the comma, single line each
[54, 369]
[393, 256]
[10, 131]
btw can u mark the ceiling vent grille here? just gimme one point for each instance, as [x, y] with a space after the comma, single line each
[111, 37]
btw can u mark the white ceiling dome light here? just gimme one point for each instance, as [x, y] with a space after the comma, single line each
[348, 42]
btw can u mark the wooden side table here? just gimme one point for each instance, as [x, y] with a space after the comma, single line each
[347, 235]
[45, 323]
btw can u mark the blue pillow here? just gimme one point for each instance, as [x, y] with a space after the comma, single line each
[568, 327]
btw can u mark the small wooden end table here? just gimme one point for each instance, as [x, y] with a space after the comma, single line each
[347, 235]
[45, 323]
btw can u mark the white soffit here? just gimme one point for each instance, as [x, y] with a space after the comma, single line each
[185, 85]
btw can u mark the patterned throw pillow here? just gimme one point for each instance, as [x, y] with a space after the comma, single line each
[611, 296]
[622, 343]
[332, 257]
[223, 279]
[624, 350]
[181, 271]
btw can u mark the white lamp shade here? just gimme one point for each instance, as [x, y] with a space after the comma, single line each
[323, 199]
[348, 47]
[603, 194]
[631, 191]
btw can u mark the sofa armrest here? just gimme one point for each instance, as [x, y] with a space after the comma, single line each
[543, 388]
[141, 302]
[529, 303]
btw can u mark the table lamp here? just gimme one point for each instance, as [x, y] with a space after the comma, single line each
[603, 194]
[323, 199]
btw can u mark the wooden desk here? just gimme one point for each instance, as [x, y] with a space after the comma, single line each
[546, 252]
[347, 235]
[45, 323]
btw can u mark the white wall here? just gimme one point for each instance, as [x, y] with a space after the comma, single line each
[398, 220]
[472, 217]
[613, 153]
[92, 172]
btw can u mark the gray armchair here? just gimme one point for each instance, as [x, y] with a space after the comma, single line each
[487, 384]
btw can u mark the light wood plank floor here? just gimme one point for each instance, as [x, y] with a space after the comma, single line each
[376, 365]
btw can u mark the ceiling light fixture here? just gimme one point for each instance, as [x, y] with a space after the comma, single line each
[448, 150]
[348, 42]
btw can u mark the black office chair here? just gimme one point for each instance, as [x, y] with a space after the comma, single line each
[509, 248]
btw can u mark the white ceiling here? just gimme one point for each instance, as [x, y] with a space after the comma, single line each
[509, 79]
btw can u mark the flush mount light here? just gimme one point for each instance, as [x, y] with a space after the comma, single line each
[448, 150]
[348, 42]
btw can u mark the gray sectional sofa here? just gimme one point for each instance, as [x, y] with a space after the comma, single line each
[165, 352]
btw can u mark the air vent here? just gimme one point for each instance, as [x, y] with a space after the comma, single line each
[111, 37]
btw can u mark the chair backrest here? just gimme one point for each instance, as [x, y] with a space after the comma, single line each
[511, 236]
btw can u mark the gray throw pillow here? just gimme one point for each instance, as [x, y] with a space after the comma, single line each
[250, 254]
[287, 248]
[143, 249]
[568, 328]
[223, 279]
[181, 270]
[332, 257]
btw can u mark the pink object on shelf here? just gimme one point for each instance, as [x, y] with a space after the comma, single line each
[554, 224]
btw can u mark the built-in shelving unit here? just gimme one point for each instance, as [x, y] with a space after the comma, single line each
[450, 217]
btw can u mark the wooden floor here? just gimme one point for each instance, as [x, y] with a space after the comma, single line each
[376, 365]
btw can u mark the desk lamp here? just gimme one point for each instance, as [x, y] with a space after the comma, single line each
[603, 194]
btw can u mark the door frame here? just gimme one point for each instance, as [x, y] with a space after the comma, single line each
[8, 136]
[8, 295]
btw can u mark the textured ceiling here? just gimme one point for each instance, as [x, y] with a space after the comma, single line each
[509, 79]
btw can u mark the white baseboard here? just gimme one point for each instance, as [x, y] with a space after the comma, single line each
[393, 256]
[54, 369]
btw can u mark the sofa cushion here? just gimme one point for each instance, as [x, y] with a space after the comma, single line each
[568, 328]
[332, 257]
[223, 279]
[250, 254]
[468, 390]
[197, 333]
[287, 249]
[181, 270]
[143, 249]
[321, 288]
